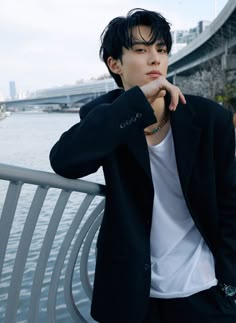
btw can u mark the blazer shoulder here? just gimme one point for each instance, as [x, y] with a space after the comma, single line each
[103, 99]
[201, 102]
[209, 114]
[201, 105]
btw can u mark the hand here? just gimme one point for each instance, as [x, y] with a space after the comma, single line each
[157, 89]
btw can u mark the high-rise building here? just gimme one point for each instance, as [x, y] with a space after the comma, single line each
[12, 89]
[181, 38]
[202, 25]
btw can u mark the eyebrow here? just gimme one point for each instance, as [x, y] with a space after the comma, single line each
[142, 42]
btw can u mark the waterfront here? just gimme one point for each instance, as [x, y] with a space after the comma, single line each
[25, 140]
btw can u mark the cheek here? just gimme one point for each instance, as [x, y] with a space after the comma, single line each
[165, 65]
[133, 62]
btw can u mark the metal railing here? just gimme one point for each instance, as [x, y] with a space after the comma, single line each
[48, 229]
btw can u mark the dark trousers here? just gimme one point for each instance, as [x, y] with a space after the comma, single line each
[208, 306]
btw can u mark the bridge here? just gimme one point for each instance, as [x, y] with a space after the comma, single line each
[217, 41]
[66, 95]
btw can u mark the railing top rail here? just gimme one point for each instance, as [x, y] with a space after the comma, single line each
[43, 178]
[57, 234]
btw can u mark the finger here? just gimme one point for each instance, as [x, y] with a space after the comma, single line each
[161, 94]
[174, 91]
[174, 102]
[176, 95]
[182, 98]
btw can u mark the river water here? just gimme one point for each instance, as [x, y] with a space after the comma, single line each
[26, 140]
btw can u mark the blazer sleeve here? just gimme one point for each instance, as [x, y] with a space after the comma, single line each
[226, 196]
[81, 150]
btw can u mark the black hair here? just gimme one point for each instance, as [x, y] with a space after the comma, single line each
[118, 34]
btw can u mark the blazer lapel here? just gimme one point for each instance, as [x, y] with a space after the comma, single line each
[186, 138]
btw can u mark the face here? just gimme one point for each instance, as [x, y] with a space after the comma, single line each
[142, 63]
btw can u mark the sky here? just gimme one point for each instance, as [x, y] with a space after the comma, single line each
[49, 43]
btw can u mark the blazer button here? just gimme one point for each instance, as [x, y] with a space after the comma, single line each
[146, 267]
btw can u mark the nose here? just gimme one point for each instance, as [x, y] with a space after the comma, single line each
[154, 58]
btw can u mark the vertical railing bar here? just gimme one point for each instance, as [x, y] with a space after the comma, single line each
[22, 252]
[62, 255]
[44, 255]
[69, 299]
[6, 219]
[17, 177]
[85, 255]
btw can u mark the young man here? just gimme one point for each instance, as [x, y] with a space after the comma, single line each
[167, 243]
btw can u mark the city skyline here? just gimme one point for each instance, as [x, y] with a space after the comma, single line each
[51, 44]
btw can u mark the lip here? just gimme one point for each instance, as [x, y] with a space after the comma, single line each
[154, 73]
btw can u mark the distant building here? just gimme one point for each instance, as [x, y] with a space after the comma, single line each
[12, 90]
[2, 98]
[22, 94]
[182, 38]
[202, 25]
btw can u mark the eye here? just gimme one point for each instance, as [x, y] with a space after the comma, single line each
[162, 50]
[140, 50]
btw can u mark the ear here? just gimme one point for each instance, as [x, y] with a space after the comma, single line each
[114, 65]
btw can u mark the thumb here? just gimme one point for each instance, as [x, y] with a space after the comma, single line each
[161, 94]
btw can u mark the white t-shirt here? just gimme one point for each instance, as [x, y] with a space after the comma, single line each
[182, 263]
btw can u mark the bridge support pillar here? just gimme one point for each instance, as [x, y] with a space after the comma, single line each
[174, 79]
[228, 62]
[68, 101]
[177, 79]
[2, 111]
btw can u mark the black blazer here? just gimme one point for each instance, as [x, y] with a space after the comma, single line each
[110, 134]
